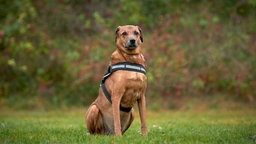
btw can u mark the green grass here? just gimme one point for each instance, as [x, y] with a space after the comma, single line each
[213, 126]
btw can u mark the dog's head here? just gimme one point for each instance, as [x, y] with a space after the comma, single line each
[129, 38]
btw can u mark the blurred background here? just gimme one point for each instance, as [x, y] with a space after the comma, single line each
[54, 53]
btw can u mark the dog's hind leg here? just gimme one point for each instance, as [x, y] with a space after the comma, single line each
[129, 122]
[94, 120]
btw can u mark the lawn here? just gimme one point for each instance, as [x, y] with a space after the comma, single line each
[188, 126]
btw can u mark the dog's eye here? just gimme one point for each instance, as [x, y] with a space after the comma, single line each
[124, 33]
[136, 33]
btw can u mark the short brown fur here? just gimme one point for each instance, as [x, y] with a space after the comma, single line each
[125, 87]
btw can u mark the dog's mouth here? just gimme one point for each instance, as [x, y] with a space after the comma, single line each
[131, 47]
[131, 44]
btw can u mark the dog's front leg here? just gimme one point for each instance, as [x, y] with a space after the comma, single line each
[116, 114]
[142, 111]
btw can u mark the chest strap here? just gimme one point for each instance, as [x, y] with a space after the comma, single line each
[120, 66]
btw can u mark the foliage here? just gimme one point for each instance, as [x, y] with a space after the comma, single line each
[164, 127]
[54, 53]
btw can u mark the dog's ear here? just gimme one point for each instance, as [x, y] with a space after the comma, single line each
[117, 30]
[141, 34]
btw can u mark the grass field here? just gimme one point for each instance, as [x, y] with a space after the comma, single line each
[213, 126]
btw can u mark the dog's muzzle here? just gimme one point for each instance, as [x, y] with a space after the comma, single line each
[131, 44]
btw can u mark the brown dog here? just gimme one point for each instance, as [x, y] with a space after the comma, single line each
[125, 87]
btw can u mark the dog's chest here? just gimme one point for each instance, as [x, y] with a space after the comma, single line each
[134, 89]
[136, 83]
[136, 77]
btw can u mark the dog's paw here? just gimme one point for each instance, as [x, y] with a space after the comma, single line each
[144, 131]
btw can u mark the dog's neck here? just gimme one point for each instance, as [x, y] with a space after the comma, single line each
[120, 56]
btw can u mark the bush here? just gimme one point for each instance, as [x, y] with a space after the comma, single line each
[55, 53]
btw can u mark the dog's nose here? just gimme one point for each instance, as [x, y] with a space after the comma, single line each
[132, 41]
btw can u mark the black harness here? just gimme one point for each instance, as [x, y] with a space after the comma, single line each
[120, 66]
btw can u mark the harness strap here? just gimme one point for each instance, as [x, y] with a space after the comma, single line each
[108, 96]
[123, 66]
[116, 67]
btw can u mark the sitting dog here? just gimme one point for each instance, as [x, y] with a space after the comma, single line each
[123, 85]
